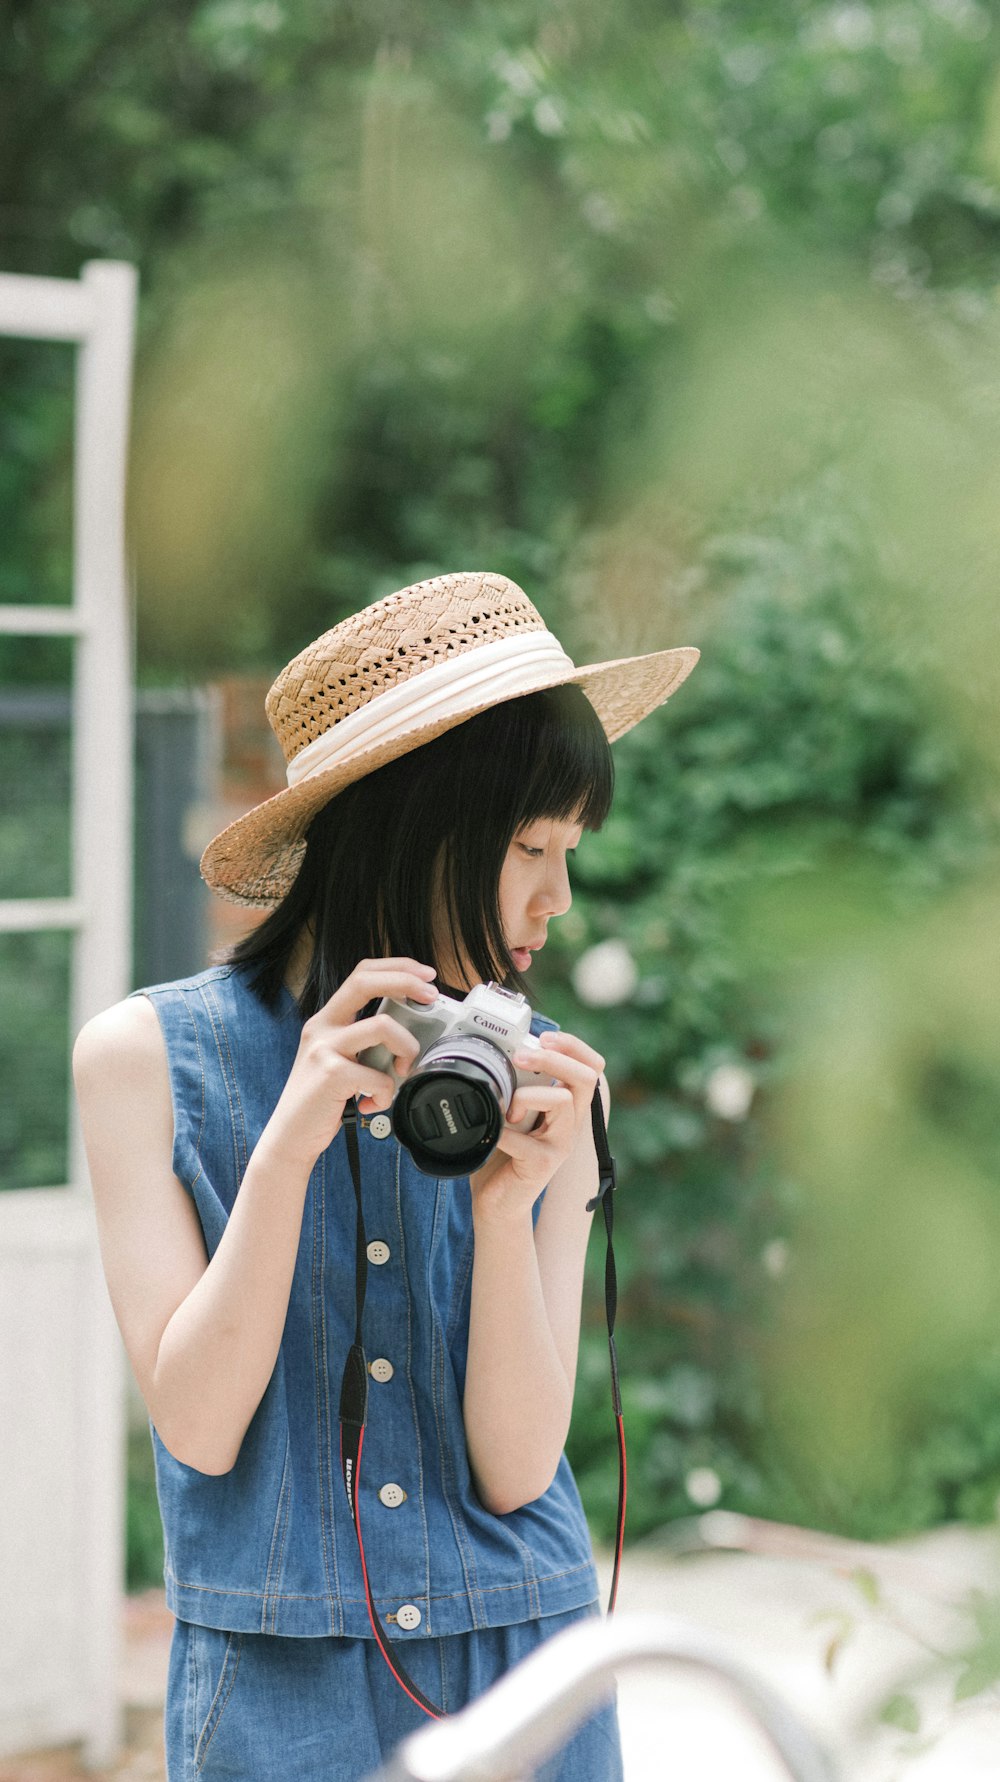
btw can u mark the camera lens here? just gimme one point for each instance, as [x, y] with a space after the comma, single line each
[450, 1111]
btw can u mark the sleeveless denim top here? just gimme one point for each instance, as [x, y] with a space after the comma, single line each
[269, 1547]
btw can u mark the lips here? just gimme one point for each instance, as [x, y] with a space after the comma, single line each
[522, 955]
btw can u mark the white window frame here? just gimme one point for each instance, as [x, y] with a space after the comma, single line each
[50, 1273]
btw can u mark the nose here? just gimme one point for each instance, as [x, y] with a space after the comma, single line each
[555, 897]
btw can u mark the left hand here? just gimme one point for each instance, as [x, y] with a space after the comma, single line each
[511, 1180]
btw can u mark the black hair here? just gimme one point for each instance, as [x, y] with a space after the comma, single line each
[433, 827]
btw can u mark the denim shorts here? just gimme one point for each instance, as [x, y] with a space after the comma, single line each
[262, 1707]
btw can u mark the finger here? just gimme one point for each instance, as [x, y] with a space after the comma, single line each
[572, 1047]
[382, 1030]
[370, 983]
[374, 1104]
[539, 1099]
[574, 1072]
[371, 1086]
[525, 1147]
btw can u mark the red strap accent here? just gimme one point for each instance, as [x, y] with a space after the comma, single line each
[384, 1644]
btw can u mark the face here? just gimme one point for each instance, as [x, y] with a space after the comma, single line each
[534, 887]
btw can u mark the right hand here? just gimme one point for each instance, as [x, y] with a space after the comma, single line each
[326, 1072]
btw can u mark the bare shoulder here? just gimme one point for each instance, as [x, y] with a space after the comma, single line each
[125, 1036]
[120, 1064]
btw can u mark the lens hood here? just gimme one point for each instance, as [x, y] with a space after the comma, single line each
[448, 1116]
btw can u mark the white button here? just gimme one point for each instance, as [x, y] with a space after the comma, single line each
[378, 1253]
[408, 1616]
[392, 1496]
[381, 1126]
[380, 1369]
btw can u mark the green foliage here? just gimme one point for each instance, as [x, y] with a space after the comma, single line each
[685, 318]
[34, 1059]
[901, 1711]
[35, 455]
[981, 1667]
[714, 807]
[143, 1529]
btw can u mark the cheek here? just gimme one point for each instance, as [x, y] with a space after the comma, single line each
[510, 894]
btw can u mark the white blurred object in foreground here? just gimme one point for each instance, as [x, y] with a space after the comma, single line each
[605, 975]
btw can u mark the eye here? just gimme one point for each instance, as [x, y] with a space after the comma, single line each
[532, 853]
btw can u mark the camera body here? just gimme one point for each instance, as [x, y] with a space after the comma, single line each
[450, 1108]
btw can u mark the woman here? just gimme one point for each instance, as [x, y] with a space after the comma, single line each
[444, 758]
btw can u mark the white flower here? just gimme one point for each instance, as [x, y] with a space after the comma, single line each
[774, 1256]
[605, 975]
[745, 64]
[659, 308]
[516, 74]
[599, 213]
[549, 117]
[729, 1091]
[853, 27]
[747, 202]
[703, 1486]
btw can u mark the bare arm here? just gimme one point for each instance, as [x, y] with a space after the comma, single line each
[526, 1291]
[203, 1336]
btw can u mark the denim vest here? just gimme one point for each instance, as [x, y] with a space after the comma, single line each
[269, 1547]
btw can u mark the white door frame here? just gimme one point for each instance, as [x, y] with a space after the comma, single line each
[63, 1469]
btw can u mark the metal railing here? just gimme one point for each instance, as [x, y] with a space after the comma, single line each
[530, 1713]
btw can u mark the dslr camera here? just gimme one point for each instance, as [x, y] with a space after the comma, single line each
[449, 1111]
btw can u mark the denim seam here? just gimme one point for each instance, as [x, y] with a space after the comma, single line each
[462, 1272]
[324, 1422]
[229, 1081]
[214, 1717]
[409, 1373]
[528, 1562]
[274, 1564]
[191, 1725]
[225, 1084]
[444, 1678]
[201, 1072]
[506, 1589]
[438, 1363]
[437, 1596]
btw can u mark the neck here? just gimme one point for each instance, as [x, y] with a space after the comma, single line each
[297, 969]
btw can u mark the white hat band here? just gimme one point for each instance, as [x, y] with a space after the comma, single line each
[503, 669]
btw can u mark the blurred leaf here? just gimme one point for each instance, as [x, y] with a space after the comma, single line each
[901, 1711]
[982, 1673]
[868, 1585]
[839, 1638]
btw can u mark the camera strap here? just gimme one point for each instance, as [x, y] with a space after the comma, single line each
[354, 1385]
[605, 1198]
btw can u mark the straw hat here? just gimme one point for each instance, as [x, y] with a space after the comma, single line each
[394, 676]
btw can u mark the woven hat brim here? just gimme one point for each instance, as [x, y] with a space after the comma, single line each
[254, 861]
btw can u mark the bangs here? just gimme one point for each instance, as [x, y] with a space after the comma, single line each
[543, 755]
[572, 773]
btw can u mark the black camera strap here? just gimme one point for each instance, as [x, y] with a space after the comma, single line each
[605, 1198]
[354, 1386]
